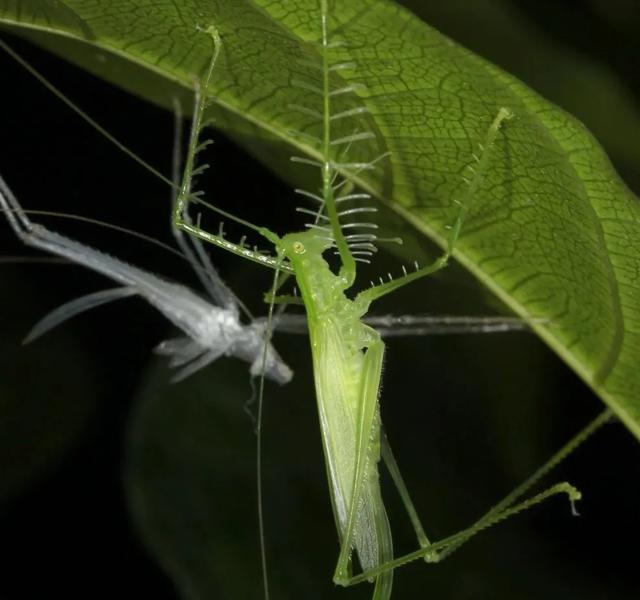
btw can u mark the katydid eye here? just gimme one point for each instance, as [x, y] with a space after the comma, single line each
[298, 248]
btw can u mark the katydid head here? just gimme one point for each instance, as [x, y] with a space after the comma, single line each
[304, 245]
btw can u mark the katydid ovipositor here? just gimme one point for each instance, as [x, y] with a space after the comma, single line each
[347, 353]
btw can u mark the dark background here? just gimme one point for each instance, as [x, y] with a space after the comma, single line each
[90, 426]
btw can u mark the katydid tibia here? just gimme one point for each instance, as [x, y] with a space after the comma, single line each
[347, 353]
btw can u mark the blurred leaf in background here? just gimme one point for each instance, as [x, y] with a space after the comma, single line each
[43, 411]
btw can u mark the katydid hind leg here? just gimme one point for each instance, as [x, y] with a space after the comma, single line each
[398, 481]
[508, 507]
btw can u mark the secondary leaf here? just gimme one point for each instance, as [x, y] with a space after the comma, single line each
[552, 232]
[190, 483]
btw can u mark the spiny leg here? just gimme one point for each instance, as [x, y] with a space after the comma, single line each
[190, 171]
[340, 108]
[503, 510]
[368, 296]
[348, 267]
[194, 250]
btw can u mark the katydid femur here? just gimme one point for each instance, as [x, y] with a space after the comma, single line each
[347, 353]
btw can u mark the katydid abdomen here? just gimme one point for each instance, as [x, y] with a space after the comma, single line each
[341, 372]
[347, 364]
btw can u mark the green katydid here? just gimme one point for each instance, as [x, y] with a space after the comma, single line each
[347, 353]
[447, 544]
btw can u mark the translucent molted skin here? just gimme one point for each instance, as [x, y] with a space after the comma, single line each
[211, 331]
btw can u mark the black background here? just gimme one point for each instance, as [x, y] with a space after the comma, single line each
[469, 417]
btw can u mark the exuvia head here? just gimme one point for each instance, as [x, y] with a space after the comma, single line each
[274, 367]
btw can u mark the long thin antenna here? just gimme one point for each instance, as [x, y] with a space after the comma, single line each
[72, 105]
[267, 337]
[103, 224]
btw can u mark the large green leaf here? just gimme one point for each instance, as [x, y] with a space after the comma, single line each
[576, 81]
[552, 232]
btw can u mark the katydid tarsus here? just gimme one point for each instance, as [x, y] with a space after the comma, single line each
[347, 353]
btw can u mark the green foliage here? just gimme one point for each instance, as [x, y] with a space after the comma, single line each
[565, 227]
[551, 233]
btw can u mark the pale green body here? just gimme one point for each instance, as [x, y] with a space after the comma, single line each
[339, 367]
[347, 364]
